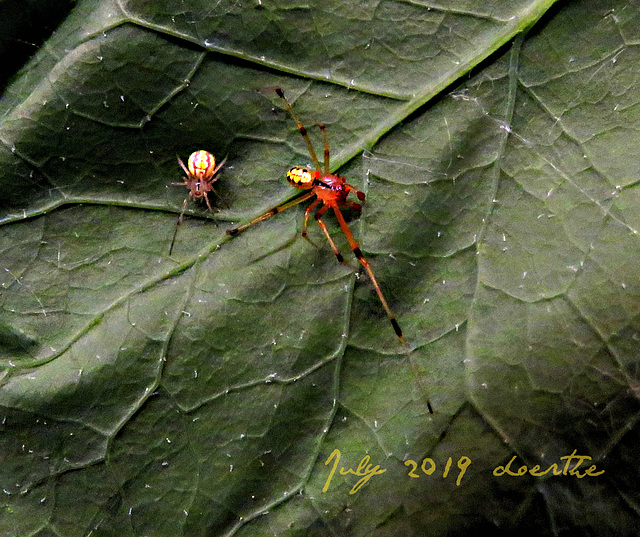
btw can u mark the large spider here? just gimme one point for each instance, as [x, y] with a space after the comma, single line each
[331, 191]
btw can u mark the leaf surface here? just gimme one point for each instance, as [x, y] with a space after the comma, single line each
[206, 393]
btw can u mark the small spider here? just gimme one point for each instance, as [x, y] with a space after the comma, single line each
[331, 191]
[201, 174]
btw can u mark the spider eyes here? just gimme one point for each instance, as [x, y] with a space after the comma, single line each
[201, 165]
[300, 177]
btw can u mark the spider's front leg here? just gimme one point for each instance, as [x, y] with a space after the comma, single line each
[359, 194]
[185, 169]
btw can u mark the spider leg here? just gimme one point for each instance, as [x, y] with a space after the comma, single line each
[360, 195]
[206, 198]
[221, 201]
[178, 222]
[323, 227]
[363, 261]
[183, 167]
[271, 212]
[352, 205]
[301, 128]
[305, 222]
[323, 128]
[217, 168]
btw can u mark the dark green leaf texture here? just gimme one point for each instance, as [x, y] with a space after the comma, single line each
[203, 393]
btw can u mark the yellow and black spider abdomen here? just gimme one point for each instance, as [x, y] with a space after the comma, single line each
[300, 177]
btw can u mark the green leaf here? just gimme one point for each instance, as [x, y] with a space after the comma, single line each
[206, 392]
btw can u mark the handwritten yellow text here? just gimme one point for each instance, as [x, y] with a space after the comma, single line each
[364, 470]
[537, 472]
[463, 464]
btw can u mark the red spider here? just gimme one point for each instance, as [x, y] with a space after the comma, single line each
[331, 191]
[201, 174]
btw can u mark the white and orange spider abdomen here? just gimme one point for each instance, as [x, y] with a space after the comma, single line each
[201, 165]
